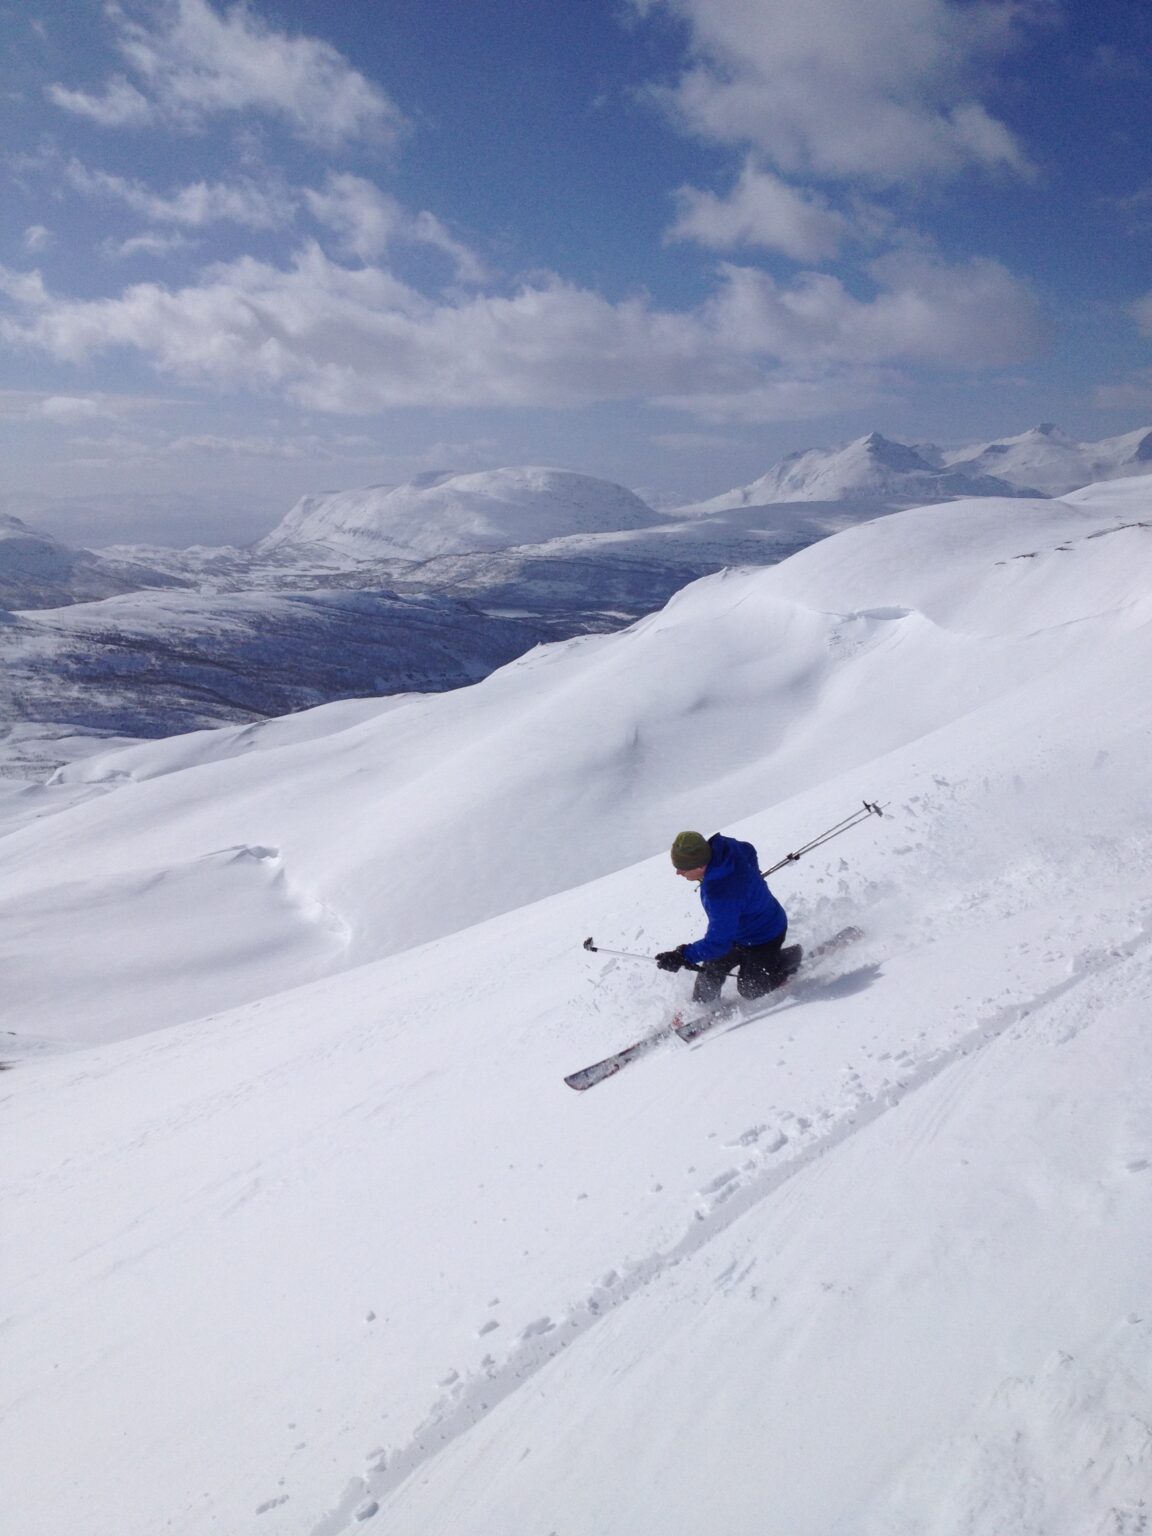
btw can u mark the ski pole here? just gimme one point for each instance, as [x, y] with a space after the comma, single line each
[622, 954]
[870, 808]
[627, 954]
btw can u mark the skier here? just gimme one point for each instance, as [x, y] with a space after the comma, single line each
[746, 924]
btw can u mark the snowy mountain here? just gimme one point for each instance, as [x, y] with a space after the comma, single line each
[306, 1236]
[439, 514]
[1047, 458]
[38, 571]
[872, 471]
[876, 472]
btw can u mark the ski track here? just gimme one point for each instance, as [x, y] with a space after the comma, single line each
[727, 1198]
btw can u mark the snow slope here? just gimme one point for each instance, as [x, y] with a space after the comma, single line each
[347, 1255]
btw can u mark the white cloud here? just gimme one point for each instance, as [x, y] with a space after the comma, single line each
[23, 405]
[1142, 313]
[971, 315]
[761, 210]
[157, 447]
[873, 89]
[358, 341]
[245, 202]
[120, 106]
[369, 221]
[196, 62]
[65, 408]
[37, 238]
[366, 221]
[254, 446]
[150, 244]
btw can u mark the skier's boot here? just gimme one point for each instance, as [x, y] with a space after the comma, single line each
[787, 964]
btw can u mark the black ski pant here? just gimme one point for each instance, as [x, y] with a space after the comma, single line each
[759, 969]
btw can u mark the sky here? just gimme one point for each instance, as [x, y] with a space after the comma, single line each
[256, 251]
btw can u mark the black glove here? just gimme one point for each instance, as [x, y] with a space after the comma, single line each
[671, 959]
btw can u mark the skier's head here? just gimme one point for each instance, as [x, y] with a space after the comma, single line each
[690, 854]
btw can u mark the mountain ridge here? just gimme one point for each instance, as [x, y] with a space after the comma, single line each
[875, 469]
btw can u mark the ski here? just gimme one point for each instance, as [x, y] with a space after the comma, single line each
[690, 1029]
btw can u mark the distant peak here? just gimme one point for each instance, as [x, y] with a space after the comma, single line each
[892, 455]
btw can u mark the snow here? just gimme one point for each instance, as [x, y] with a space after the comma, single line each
[305, 1235]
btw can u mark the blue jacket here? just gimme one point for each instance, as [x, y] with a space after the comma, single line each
[741, 909]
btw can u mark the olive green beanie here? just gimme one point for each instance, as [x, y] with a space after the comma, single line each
[691, 850]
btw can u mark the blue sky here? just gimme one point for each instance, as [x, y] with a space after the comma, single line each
[257, 251]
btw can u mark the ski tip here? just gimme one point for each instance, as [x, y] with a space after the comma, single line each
[582, 1080]
[588, 1077]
